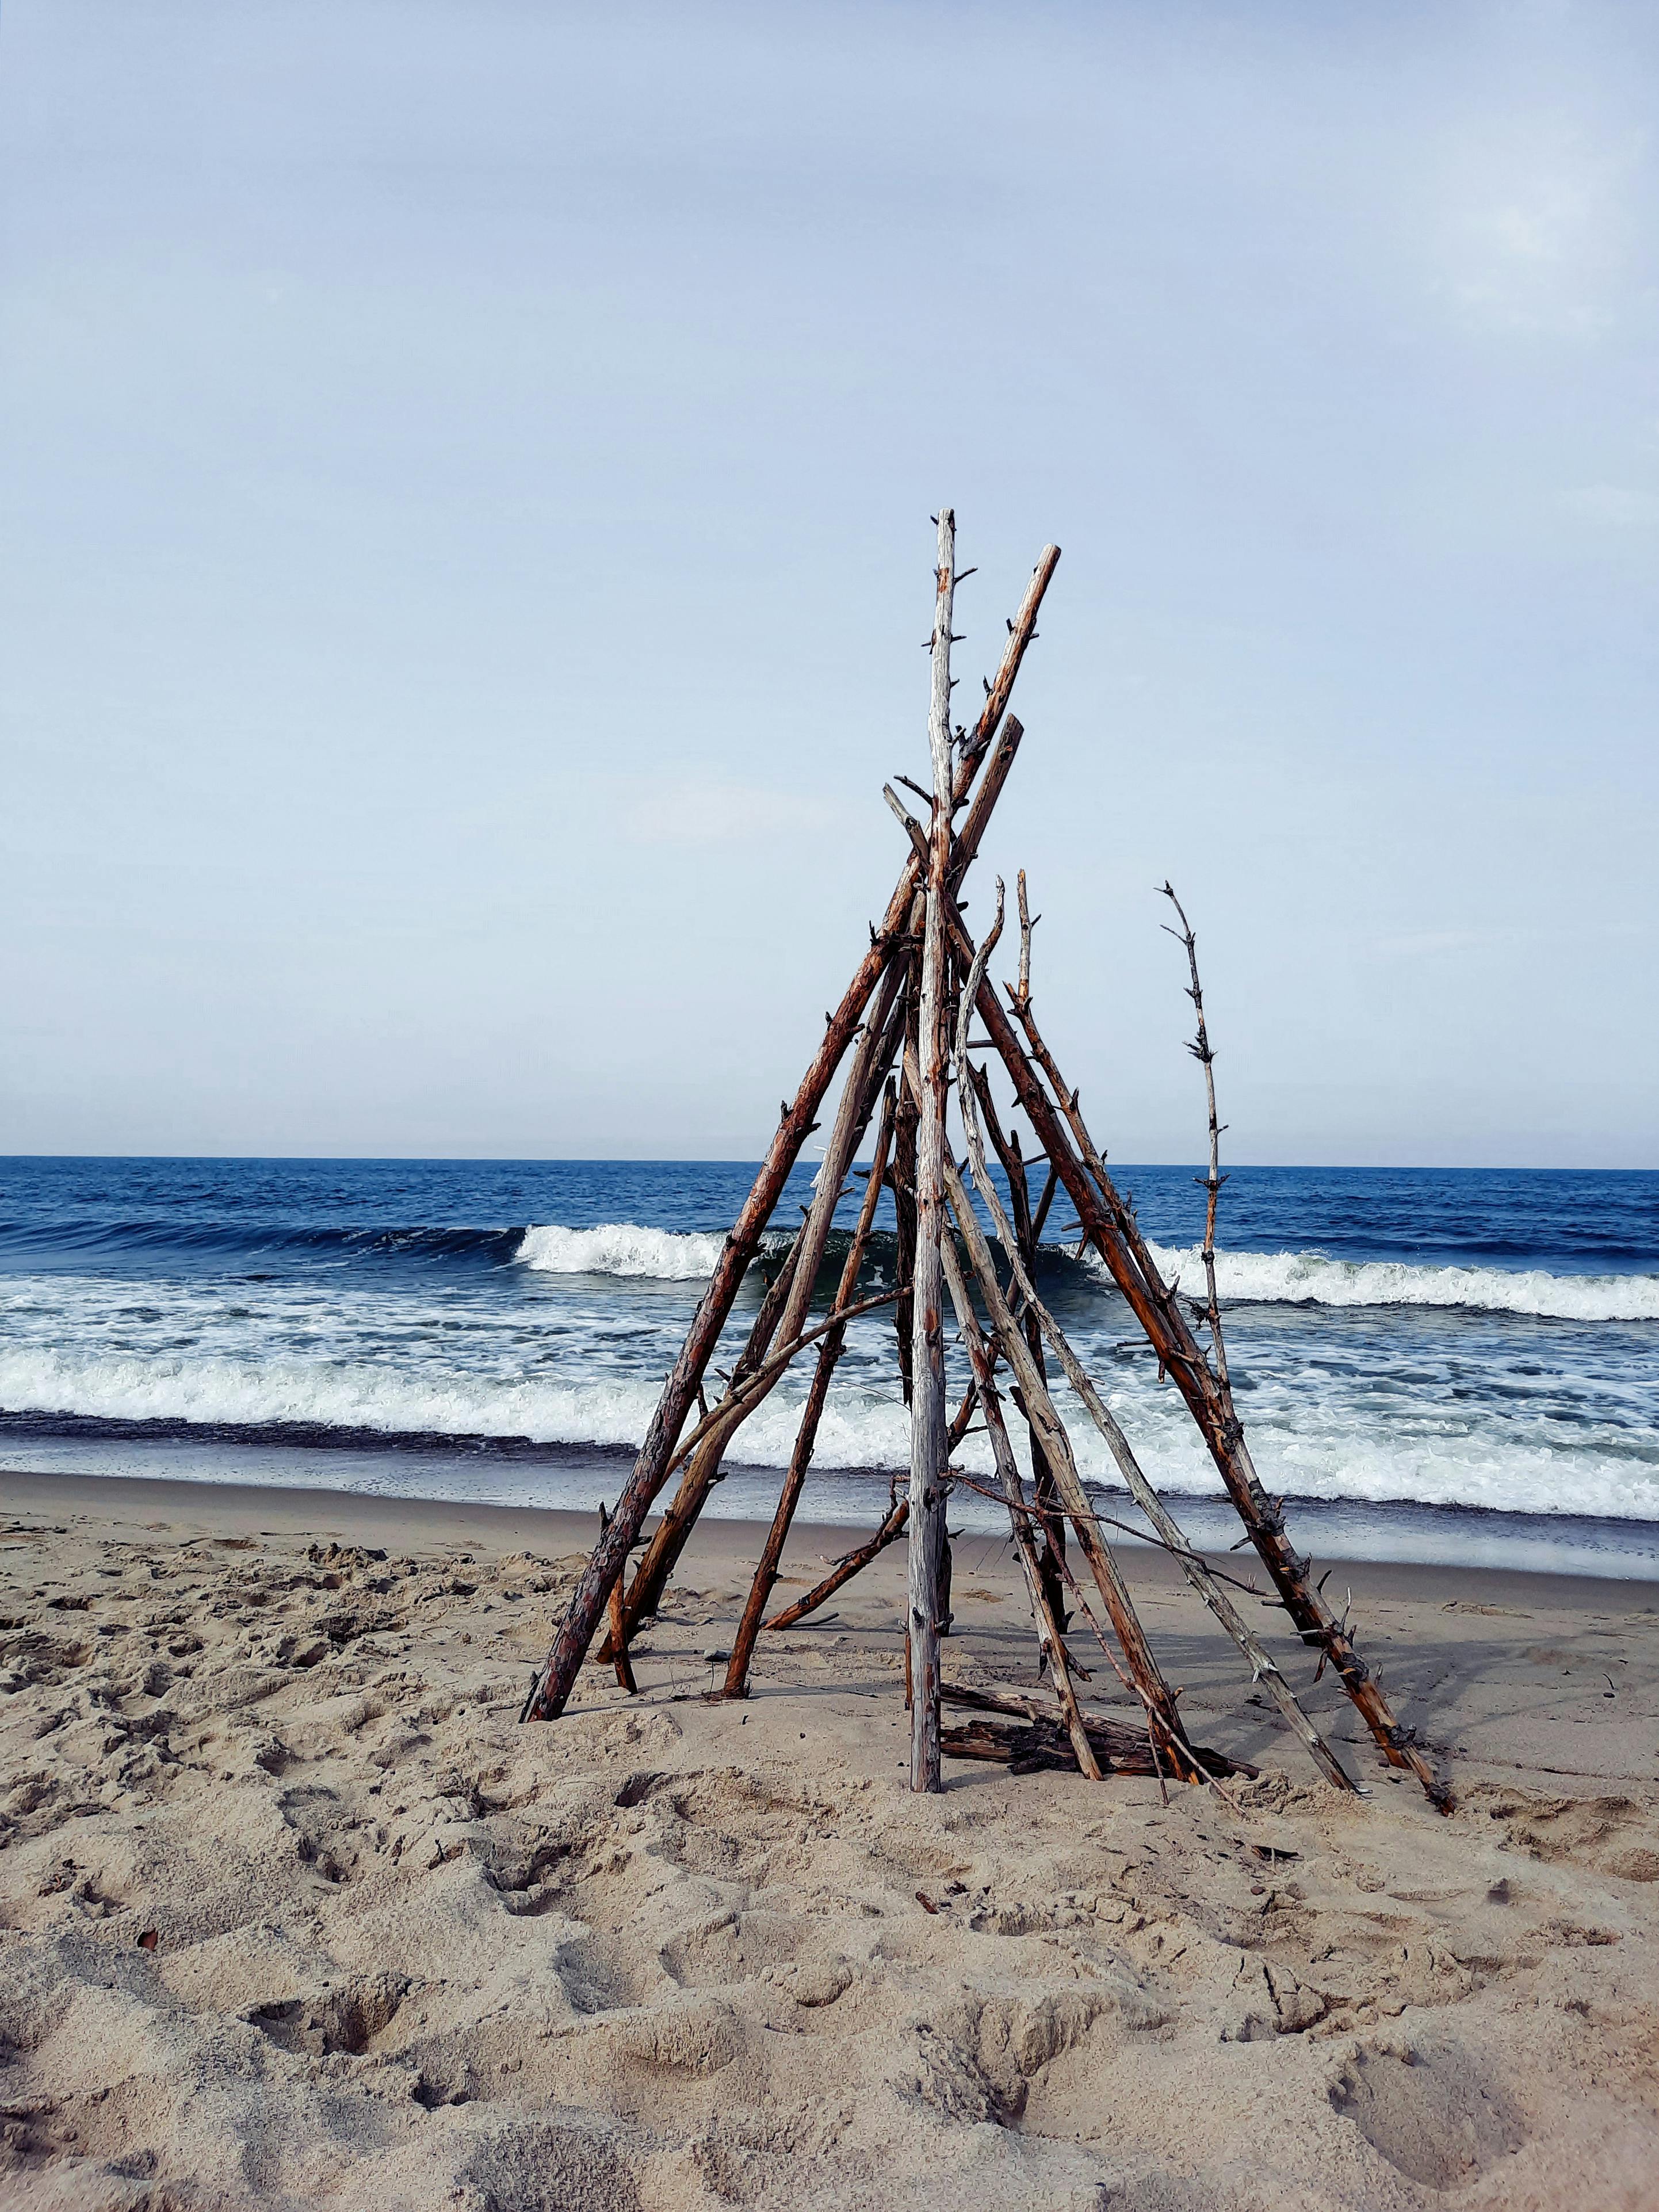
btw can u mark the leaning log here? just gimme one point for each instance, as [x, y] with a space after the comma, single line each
[844, 1569]
[1116, 1747]
[854, 1562]
[1028, 1238]
[787, 1303]
[1147, 1678]
[1041, 1323]
[829, 1351]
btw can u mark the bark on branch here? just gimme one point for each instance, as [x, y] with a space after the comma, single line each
[1262, 1667]
[927, 1414]
[830, 1351]
[1110, 1227]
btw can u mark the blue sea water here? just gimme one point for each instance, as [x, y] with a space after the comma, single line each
[1431, 1364]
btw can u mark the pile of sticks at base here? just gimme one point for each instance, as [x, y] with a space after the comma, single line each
[902, 1028]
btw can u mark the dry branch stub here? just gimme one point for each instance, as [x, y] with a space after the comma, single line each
[913, 999]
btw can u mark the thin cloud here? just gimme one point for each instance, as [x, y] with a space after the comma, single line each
[1616, 507]
[713, 810]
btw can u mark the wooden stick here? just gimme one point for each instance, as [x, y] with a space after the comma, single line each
[698, 1459]
[874, 1055]
[844, 1570]
[575, 1632]
[1050, 1519]
[902, 1179]
[1021, 631]
[748, 1392]
[907, 821]
[1262, 1666]
[1144, 1673]
[830, 1351]
[877, 1050]
[1199, 1050]
[1110, 1227]
[722, 1421]
[1023, 997]
[1041, 1744]
[893, 1527]
[927, 1415]
[624, 1666]
[1050, 1635]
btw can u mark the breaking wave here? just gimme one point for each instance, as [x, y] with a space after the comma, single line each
[1311, 1278]
[95, 1241]
[628, 1248]
[621, 1248]
[217, 1392]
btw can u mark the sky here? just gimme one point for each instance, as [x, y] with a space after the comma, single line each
[466, 473]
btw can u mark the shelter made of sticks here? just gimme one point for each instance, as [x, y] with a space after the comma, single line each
[901, 1031]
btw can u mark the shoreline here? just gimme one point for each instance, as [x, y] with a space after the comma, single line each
[367, 1518]
[1335, 1534]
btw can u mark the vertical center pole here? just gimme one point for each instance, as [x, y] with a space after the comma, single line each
[929, 1438]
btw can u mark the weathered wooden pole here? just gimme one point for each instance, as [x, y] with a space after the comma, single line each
[623, 1665]
[1144, 1671]
[927, 1415]
[830, 1351]
[1026, 1228]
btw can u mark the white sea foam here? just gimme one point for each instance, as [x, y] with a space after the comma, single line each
[1306, 1446]
[1309, 1443]
[859, 1431]
[1311, 1278]
[621, 1248]
[626, 1248]
[332, 1393]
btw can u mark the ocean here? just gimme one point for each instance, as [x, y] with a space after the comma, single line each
[1431, 1364]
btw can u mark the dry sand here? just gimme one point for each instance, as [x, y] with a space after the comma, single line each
[295, 1914]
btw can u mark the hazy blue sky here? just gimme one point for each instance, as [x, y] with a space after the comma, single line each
[466, 471]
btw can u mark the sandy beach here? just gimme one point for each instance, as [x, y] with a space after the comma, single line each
[296, 1914]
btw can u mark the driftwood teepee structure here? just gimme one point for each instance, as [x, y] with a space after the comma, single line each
[903, 1028]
